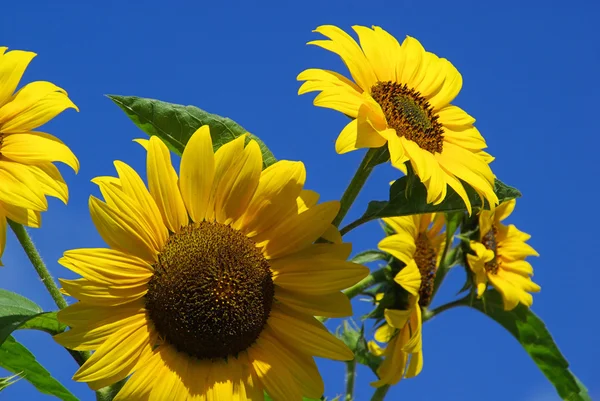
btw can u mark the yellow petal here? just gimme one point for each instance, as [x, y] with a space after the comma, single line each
[317, 79]
[238, 188]
[505, 209]
[37, 147]
[343, 45]
[306, 334]
[273, 374]
[450, 88]
[107, 266]
[279, 186]
[121, 232]
[33, 106]
[141, 383]
[133, 186]
[357, 134]
[332, 234]
[162, 181]
[431, 75]
[299, 231]
[170, 385]
[83, 314]
[20, 187]
[226, 168]
[197, 172]
[316, 276]
[302, 366]
[397, 318]
[376, 53]
[21, 215]
[118, 351]
[409, 61]
[12, 66]
[49, 181]
[401, 246]
[409, 278]
[103, 294]
[2, 234]
[334, 304]
[306, 200]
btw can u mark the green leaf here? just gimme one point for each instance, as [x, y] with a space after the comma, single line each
[354, 338]
[18, 312]
[175, 123]
[370, 256]
[531, 332]
[17, 359]
[414, 201]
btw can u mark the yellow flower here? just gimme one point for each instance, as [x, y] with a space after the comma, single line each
[212, 281]
[500, 258]
[401, 96]
[418, 243]
[26, 170]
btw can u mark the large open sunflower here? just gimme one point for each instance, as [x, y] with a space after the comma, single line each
[27, 174]
[401, 96]
[499, 258]
[212, 281]
[417, 242]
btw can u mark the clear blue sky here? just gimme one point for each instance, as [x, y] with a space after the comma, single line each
[530, 73]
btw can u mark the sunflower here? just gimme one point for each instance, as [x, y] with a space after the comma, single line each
[212, 281]
[499, 258]
[417, 242]
[401, 96]
[26, 170]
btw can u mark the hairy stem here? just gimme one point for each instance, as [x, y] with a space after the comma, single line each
[38, 263]
[380, 393]
[350, 377]
[359, 179]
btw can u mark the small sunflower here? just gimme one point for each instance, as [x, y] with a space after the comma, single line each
[401, 96]
[212, 280]
[417, 243]
[500, 258]
[26, 170]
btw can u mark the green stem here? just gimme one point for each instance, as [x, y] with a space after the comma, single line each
[38, 263]
[350, 376]
[380, 393]
[362, 220]
[373, 278]
[359, 179]
[429, 314]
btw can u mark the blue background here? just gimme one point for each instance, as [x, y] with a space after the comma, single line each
[530, 74]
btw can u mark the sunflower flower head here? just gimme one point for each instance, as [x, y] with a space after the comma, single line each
[212, 280]
[417, 243]
[26, 156]
[400, 95]
[499, 258]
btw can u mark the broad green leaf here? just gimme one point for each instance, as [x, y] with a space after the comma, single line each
[18, 312]
[531, 332]
[370, 256]
[17, 359]
[175, 123]
[403, 203]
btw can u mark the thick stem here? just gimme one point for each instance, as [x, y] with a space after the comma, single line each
[38, 263]
[380, 393]
[350, 377]
[359, 179]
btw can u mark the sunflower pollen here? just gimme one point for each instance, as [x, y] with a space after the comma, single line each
[489, 240]
[409, 113]
[426, 259]
[212, 291]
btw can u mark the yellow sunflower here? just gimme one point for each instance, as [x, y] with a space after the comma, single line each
[212, 280]
[500, 258]
[401, 96]
[26, 170]
[418, 243]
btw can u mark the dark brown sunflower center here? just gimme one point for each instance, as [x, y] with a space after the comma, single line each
[489, 240]
[211, 292]
[426, 259]
[410, 115]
